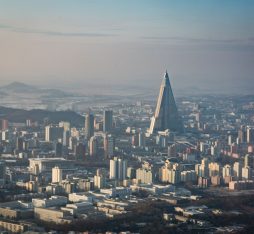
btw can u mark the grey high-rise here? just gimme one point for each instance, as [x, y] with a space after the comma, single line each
[166, 114]
[89, 125]
[107, 120]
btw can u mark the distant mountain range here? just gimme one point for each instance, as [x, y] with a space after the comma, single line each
[19, 88]
[20, 116]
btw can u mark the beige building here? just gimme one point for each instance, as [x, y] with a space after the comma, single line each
[250, 135]
[46, 164]
[246, 173]
[80, 197]
[108, 145]
[65, 125]
[32, 186]
[215, 180]
[52, 215]
[237, 170]
[241, 185]
[227, 171]
[53, 201]
[93, 146]
[120, 192]
[12, 227]
[99, 180]
[78, 208]
[170, 173]
[214, 169]
[145, 174]
[16, 210]
[57, 175]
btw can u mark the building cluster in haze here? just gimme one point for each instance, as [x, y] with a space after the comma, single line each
[127, 155]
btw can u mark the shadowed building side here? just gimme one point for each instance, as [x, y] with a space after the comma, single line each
[166, 114]
[89, 125]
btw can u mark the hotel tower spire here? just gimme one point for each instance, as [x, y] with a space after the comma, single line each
[166, 114]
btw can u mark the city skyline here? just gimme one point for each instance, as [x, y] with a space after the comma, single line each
[124, 116]
[90, 43]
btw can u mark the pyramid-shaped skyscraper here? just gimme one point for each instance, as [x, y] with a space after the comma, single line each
[166, 114]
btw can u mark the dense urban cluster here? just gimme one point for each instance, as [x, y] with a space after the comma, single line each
[126, 171]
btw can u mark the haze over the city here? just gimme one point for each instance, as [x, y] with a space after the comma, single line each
[206, 45]
[126, 116]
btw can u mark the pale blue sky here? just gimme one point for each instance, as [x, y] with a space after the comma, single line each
[206, 44]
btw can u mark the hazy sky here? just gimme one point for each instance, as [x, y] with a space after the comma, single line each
[79, 43]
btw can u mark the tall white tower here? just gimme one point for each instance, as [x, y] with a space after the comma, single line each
[118, 169]
[57, 175]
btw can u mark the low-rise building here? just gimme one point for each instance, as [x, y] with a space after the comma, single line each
[113, 208]
[53, 201]
[241, 185]
[16, 210]
[46, 164]
[192, 211]
[120, 192]
[78, 208]
[85, 197]
[153, 189]
[52, 215]
[13, 227]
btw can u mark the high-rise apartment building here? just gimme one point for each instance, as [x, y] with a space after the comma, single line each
[19, 143]
[141, 139]
[57, 175]
[93, 146]
[172, 151]
[2, 172]
[170, 173]
[53, 133]
[242, 136]
[99, 180]
[107, 120]
[237, 170]
[80, 151]
[246, 173]
[250, 135]
[89, 125]
[131, 173]
[214, 169]
[109, 146]
[227, 171]
[65, 125]
[118, 169]
[4, 124]
[58, 149]
[66, 138]
[249, 160]
[145, 174]
[187, 176]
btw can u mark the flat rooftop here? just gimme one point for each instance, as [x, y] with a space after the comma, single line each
[48, 159]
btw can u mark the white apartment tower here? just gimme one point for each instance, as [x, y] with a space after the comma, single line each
[118, 169]
[57, 175]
